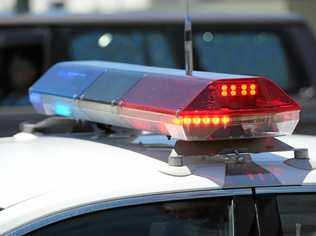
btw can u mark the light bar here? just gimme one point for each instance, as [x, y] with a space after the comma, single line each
[205, 106]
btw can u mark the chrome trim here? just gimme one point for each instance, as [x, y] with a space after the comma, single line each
[131, 201]
[232, 218]
[287, 189]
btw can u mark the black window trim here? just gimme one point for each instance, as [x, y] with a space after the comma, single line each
[124, 202]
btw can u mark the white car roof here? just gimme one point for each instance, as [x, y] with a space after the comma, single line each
[40, 175]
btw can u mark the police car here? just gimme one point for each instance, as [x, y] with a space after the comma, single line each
[157, 152]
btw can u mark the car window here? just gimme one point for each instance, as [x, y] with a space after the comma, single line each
[23, 57]
[20, 67]
[298, 214]
[186, 218]
[242, 52]
[137, 47]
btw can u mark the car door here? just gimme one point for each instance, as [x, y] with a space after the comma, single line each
[222, 212]
[258, 211]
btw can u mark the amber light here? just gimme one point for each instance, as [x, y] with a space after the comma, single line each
[205, 120]
[238, 89]
[253, 89]
[187, 121]
[224, 90]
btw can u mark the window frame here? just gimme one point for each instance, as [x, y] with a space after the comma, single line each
[302, 189]
[124, 202]
[155, 198]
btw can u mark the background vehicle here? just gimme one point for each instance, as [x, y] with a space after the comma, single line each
[280, 47]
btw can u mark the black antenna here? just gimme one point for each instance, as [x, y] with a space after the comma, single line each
[188, 50]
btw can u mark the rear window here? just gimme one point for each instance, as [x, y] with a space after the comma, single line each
[234, 52]
[253, 53]
[137, 47]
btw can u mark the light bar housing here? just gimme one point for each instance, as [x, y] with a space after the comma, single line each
[204, 106]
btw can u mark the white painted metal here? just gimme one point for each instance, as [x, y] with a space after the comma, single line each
[41, 175]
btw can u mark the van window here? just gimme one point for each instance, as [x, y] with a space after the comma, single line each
[251, 53]
[136, 47]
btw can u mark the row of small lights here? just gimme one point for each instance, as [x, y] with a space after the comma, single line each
[233, 90]
[205, 120]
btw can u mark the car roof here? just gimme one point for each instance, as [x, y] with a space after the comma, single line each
[31, 165]
[40, 175]
[150, 18]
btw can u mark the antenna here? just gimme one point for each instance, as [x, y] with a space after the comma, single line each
[188, 50]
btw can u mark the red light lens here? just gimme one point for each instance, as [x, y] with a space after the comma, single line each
[164, 94]
[237, 88]
[200, 109]
[244, 96]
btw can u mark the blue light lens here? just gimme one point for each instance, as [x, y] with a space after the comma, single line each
[35, 98]
[62, 110]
